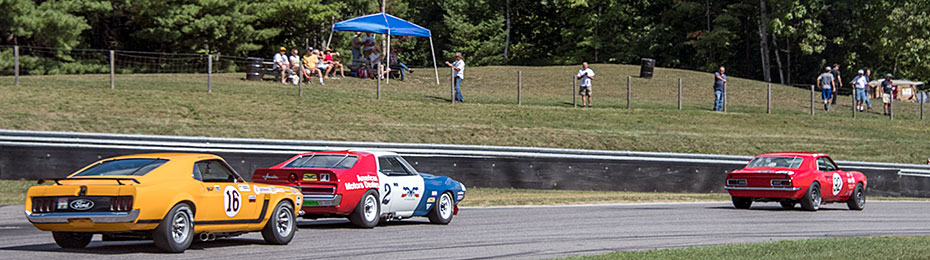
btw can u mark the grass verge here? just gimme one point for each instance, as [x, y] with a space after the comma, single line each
[417, 110]
[13, 192]
[828, 248]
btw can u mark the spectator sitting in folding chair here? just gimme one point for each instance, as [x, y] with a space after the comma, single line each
[328, 56]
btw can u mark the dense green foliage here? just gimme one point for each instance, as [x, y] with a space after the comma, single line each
[802, 36]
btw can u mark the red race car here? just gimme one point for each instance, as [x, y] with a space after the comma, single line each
[791, 178]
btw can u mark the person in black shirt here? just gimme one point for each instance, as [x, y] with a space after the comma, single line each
[887, 87]
[837, 81]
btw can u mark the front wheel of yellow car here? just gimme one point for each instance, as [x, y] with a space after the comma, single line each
[176, 232]
[72, 239]
[281, 225]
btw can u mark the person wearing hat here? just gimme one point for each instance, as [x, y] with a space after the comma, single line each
[825, 81]
[459, 67]
[860, 82]
[281, 63]
[887, 88]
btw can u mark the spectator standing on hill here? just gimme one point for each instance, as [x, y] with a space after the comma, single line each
[459, 67]
[826, 83]
[281, 63]
[294, 62]
[871, 88]
[720, 83]
[860, 82]
[887, 89]
[585, 75]
[356, 47]
[837, 81]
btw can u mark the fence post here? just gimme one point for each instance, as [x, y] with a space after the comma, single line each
[210, 73]
[574, 92]
[379, 82]
[768, 100]
[300, 81]
[519, 87]
[16, 65]
[452, 84]
[112, 67]
[923, 98]
[854, 107]
[812, 99]
[629, 91]
[679, 93]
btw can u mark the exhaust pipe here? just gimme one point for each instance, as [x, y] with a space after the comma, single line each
[207, 236]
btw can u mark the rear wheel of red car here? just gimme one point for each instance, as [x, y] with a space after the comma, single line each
[442, 211]
[742, 203]
[811, 199]
[367, 212]
[788, 204]
[281, 226]
[72, 239]
[176, 232]
[856, 201]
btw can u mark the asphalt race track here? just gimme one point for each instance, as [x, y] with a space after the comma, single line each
[511, 232]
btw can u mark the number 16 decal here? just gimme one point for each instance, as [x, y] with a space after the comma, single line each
[231, 201]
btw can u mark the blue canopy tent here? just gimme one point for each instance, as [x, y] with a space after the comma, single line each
[382, 23]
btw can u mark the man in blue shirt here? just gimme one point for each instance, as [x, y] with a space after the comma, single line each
[720, 83]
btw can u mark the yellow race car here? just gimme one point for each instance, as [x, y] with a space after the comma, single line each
[170, 198]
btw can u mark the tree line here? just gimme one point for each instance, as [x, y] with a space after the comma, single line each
[784, 41]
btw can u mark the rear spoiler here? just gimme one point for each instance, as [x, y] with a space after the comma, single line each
[117, 179]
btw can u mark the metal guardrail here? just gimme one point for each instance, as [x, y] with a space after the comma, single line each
[282, 146]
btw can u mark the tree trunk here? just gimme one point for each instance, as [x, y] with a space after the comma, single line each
[763, 43]
[781, 72]
[707, 13]
[788, 57]
[507, 41]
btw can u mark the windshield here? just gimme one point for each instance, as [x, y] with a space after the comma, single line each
[776, 161]
[325, 161]
[123, 167]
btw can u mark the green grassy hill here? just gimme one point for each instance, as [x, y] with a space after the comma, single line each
[418, 110]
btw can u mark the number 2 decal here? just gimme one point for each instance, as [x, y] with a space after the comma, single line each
[231, 201]
[387, 194]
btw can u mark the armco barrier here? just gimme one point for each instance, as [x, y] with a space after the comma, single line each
[42, 154]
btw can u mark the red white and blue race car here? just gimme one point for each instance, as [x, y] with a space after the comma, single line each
[365, 187]
[789, 178]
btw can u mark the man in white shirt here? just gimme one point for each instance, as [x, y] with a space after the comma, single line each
[281, 63]
[585, 75]
[459, 67]
[861, 81]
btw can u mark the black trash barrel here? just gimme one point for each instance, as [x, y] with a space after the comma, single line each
[648, 65]
[254, 71]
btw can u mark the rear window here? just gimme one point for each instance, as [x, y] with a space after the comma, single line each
[123, 167]
[325, 161]
[776, 161]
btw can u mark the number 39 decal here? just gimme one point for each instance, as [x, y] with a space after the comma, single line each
[231, 201]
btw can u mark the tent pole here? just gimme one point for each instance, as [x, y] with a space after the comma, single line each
[330, 39]
[435, 69]
[387, 80]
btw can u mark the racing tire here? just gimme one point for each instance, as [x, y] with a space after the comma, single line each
[812, 198]
[72, 239]
[856, 201]
[742, 203]
[367, 212]
[281, 226]
[788, 204]
[175, 233]
[443, 210]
